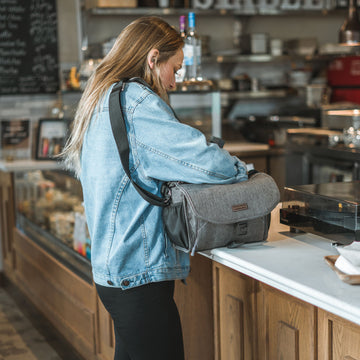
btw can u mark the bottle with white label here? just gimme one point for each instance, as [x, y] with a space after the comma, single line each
[192, 51]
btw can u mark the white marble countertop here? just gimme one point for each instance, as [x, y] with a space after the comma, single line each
[294, 264]
[28, 164]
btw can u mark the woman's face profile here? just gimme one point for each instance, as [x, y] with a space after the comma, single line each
[168, 69]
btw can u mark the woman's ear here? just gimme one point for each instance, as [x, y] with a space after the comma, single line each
[152, 58]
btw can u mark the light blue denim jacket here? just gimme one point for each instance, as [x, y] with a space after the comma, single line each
[129, 246]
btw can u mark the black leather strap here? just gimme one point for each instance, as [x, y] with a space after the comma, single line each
[120, 135]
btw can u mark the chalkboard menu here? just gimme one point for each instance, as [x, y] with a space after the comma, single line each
[28, 47]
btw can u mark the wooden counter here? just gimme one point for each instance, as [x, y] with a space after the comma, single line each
[280, 300]
[273, 300]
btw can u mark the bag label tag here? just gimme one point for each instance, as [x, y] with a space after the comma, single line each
[239, 207]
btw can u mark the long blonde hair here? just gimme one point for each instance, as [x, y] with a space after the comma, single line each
[126, 59]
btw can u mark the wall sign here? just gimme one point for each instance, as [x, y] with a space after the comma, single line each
[15, 139]
[28, 47]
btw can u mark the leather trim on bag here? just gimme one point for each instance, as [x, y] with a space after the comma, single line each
[239, 207]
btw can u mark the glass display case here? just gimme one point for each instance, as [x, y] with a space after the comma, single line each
[49, 210]
[330, 210]
[201, 110]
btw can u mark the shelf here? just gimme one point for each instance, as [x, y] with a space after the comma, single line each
[155, 11]
[263, 58]
[20, 165]
[261, 94]
[245, 58]
[286, 12]
[208, 12]
[238, 95]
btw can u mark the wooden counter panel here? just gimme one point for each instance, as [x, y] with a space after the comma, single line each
[7, 220]
[42, 278]
[338, 338]
[73, 286]
[106, 334]
[290, 326]
[234, 315]
[195, 304]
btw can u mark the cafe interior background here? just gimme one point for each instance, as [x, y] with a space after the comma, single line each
[277, 85]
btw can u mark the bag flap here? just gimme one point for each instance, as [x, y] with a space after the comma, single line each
[226, 204]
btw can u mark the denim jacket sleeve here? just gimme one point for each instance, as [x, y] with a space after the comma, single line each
[171, 151]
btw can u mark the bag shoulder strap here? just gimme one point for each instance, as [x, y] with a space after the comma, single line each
[118, 127]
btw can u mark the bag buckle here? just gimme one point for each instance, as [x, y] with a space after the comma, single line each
[166, 192]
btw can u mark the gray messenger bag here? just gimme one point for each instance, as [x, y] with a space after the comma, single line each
[201, 217]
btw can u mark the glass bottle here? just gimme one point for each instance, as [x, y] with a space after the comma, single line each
[350, 30]
[180, 74]
[192, 51]
[183, 26]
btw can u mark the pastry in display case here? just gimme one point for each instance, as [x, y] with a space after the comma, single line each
[49, 206]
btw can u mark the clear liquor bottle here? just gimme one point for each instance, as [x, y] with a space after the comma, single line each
[349, 33]
[192, 51]
[180, 74]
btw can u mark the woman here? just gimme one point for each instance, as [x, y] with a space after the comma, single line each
[134, 265]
